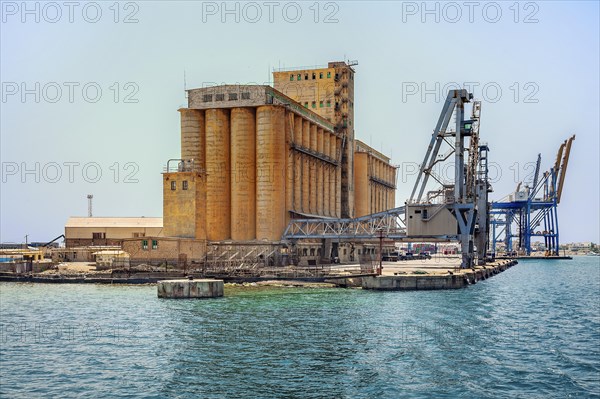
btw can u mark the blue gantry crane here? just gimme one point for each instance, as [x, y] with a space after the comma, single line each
[533, 210]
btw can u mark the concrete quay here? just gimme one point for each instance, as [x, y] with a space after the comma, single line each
[431, 275]
[204, 288]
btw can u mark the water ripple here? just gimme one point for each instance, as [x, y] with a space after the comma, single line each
[532, 331]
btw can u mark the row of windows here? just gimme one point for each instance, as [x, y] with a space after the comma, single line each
[145, 244]
[314, 104]
[207, 98]
[367, 251]
[314, 76]
[184, 185]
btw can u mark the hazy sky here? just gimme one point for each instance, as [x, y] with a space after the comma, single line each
[90, 91]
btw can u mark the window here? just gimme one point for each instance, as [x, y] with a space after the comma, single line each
[220, 97]
[98, 236]
[344, 251]
[207, 98]
[299, 77]
[305, 76]
[321, 104]
[304, 252]
[328, 75]
[291, 77]
[312, 252]
[314, 104]
[154, 244]
[320, 75]
[328, 103]
[314, 76]
[184, 185]
[144, 244]
[137, 235]
[306, 104]
[232, 96]
[173, 185]
[246, 95]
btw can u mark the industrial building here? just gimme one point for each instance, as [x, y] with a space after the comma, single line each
[374, 181]
[253, 157]
[329, 92]
[109, 231]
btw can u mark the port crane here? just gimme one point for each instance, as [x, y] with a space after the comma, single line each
[532, 208]
[458, 210]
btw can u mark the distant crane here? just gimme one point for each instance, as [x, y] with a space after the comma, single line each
[531, 209]
[90, 197]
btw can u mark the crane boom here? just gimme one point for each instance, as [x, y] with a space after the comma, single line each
[563, 168]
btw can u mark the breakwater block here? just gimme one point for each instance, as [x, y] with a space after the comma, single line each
[204, 288]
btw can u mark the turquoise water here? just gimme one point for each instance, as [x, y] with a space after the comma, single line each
[532, 331]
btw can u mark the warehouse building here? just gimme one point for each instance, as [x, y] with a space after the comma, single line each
[109, 231]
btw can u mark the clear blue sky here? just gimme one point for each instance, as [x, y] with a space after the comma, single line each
[546, 65]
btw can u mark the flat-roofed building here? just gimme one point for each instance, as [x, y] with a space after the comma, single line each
[102, 231]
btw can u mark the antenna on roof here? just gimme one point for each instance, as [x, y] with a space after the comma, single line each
[185, 84]
[90, 197]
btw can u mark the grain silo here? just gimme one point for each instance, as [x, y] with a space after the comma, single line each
[270, 165]
[243, 174]
[218, 195]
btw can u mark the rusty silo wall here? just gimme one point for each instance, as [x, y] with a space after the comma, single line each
[192, 135]
[334, 187]
[320, 134]
[326, 172]
[305, 167]
[270, 163]
[298, 165]
[313, 170]
[243, 174]
[338, 181]
[289, 165]
[218, 195]
[361, 184]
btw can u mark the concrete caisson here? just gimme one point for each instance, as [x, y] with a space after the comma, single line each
[185, 289]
